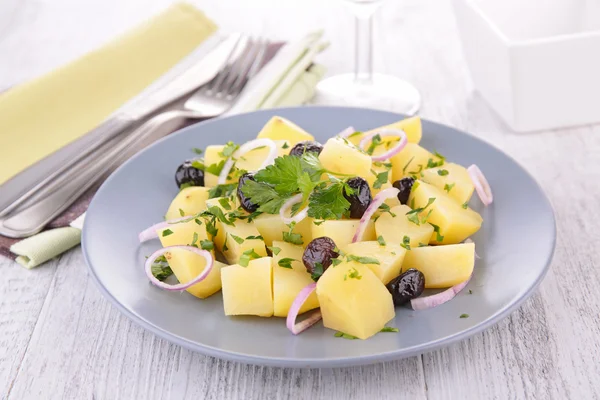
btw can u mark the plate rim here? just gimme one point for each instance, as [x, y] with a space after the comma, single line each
[284, 362]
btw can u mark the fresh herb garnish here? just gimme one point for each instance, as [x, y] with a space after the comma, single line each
[464, 315]
[405, 242]
[160, 268]
[198, 164]
[181, 212]
[224, 190]
[422, 245]
[286, 262]
[335, 262]
[224, 202]
[317, 271]
[197, 221]
[413, 215]
[207, 245]
[465, 205]
[328, 201]
[385, 208]
[354, 274]
[362, 260]
[357, 133]
[225, 248]
[436, 229]
[291, 237]
[344, 336]
[375, 142]
[274, 250]
[317, 223]
[194, 239]
[185, 185]
[389, 329]
[259, 237]
[407, 164]
[167, 232]
[382, 178]
[229, 149]
[247, 256]
[214, 169]
[442, 172]
[197, 150]
[381, 240]
[238, 239]
[448, 187]
[470, 291]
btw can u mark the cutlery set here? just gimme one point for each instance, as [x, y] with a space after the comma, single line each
[218, 79]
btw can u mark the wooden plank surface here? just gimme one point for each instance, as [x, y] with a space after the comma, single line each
[59, 338]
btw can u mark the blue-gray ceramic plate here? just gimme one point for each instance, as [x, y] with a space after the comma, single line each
[515, 244]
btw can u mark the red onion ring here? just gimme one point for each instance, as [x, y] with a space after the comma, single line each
[288, 205]
[385, 133]
[150, 233]
[484, 191]
[377, 201]
[181, 286]
[423, 303]
[346, 132]
[312, 319]
[246, 147]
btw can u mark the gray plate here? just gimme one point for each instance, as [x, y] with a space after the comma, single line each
[515, 243]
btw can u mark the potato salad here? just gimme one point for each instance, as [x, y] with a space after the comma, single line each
[344, 231]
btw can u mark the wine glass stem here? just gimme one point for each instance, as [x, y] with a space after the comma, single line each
[363, 51]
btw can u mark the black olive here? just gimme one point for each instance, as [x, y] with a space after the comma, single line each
[319, 251]
[404, 185]
[246, 202]
[186, 173]
[408, 285]
[306, 147]
[360, 199]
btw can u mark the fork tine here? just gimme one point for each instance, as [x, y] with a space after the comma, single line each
[250, 69]
[236, 68]
[231, 59]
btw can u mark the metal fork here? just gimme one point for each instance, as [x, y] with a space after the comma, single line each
[212, 99]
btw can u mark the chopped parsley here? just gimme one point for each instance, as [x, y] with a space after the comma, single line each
[465, 205]
[375, 142]
[335, 262]
[389, 329]
[362, 260]
[194, 239]
[274, 250]
[185, 185]
[442, 172]
[328, 201]
[224, 190]
[197, 221]
[224, 202]
[181, 212]
[160, 268]
[238, 239]
[382, 178]
[286, 262]
[354, 274]
[436, 229]
[344, 336]
[207, 245]
[291, 237]
[385, 208]
[422, 245]
[247, 256]
[464, 315]
[225, 248]
[317, 223]
[285, 145]
[405, 242]
[214, 169]
[259, 237]
[413, 215]
[381, 240]
[229, 149]
[407, 164]
[198, 164]
[317, 271]
[448, 187]
[197, 150]
[470, 291]
[357, 133]
[167, 232]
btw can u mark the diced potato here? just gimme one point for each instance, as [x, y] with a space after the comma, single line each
[342, 231]
[226, 204]
[287, 283]
[190, 200]
[358, 307]
[187, 265]
[410, 161]
[455, 223]
[412, 127]
[279, 128]
[271, 228]
[248, 290]
[390, 258]
[342, 157]
[394, 228]
[456, 182]
[443, 266]
[250, 161]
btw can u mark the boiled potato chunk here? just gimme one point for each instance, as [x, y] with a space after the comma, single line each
[248, 290]
[353, 300]
[411, 126]
[287, 283]
[443, 266]
[455, 223]
[342, 231]
[212, 157]
[232, 240]
[182, 233]
[453, 179]
[342, 157]
[390, 258]
[394, 228]
[190, 200]
[279, 128]
[271, 228]
[411, 161]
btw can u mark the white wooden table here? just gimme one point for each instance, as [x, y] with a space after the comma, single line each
[60, 339]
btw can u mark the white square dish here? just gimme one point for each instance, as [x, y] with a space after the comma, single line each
[538, 65]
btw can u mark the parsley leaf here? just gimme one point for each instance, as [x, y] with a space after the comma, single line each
[436, 229]
[194, 239]
[167, 232]
[197, 150]
[389, 329]
[381, 240]
[238, 239]
[335, 262]
[225, 248]
[282, 175]
[229, 149]
[413, 215]
[214, 169]
[385, 208]
[465, 205]
[442, 172]
[405, 242]
[224, 202]
[464, 315]
[344, 336]
[285, 145]
[160, 268]
[247, 256]
[375, 141]
[274, 250]
[382, 178]
[354, 274]
[185, 185]
[317, 223]
[259, 237]
[286, 262]
[448, 187]
[293, 238]
[362, 260]
[207, 245]
[328, 201]
[357, 133]
[263, 194]
[407, 164]
[224, 190]
[199, 164]
[181, 212]
[317, 271]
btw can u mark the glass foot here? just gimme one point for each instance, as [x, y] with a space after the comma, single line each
[382, 92]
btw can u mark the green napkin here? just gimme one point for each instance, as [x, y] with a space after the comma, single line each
[287, 80]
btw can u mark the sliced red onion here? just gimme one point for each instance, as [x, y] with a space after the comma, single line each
[423, 303]
[288, 206]
[484, 191]
[150, 233]
[245, 148]
[385, 133]
[312, 319]
[181, 286]
[346, 132]
[377, 201]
